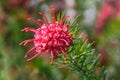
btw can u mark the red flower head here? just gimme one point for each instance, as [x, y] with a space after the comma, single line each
[51, 37]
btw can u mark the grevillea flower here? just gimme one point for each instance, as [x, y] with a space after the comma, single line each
[103, 16]
[50, 37]
[111, 8]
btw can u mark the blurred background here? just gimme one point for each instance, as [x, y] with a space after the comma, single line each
[98, 19]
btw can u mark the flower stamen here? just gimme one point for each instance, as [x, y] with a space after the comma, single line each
[26, 42]
[28, 52]
[35, 21]
[51, 60]
[33, 57]
[64, 19]
[44, 17]
[67, 44]
[29, 29]
[53, 14]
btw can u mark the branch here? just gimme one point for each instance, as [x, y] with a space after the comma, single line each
[79, 68]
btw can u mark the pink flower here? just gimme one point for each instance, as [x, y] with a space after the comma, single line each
[50, 37]
[111, 8]
[103, 16]
[16, 3]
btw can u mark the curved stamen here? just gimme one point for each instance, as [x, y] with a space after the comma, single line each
[44, 16]
[29, 29]
[40, 21]
[64, 19]
[65, 58]
[55, 42]
[51, 60]
[53, 14]
[65, 41]
[26, 41]
[32, 57]
[63, 52]
[35, 21]
[28, 52]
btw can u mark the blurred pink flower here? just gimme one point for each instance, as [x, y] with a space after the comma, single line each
[16, 3]
[105, 58]
[51, 37]
[103, 15]
[110, 8]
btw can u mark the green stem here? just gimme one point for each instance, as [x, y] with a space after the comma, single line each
[79, 68]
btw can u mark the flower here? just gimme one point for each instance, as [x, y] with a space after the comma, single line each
[50, 37]
[104, 14]
[111, 8]
[21, 3]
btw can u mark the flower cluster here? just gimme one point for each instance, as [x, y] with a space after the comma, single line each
[50, 37]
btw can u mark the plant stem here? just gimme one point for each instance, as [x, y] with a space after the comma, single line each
[79, 68]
